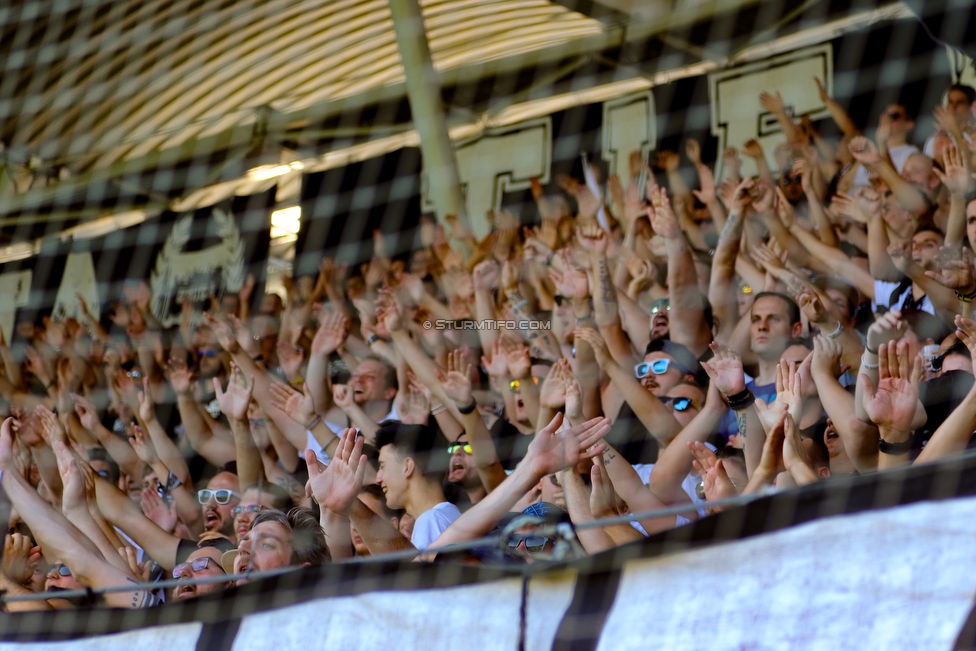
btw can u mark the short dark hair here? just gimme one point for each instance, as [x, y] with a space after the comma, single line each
[963, 88]
[418, 442]
[928, 228]
[389, 372]
[219, 543]
[307, 538]
[792, 309]
[281, 499]
[806, 342]
[100, 454]
[818, 454]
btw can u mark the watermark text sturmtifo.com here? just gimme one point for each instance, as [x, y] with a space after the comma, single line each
[486, 324]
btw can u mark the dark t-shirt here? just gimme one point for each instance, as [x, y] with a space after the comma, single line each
[728, 427]
[940, 396]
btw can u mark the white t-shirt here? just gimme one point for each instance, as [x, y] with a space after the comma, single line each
[689, 484]
[432, 524]
[899, 154]
[929, 148]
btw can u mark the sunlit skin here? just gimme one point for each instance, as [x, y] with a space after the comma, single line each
[659, 385]
[187, 573]
[220, 517]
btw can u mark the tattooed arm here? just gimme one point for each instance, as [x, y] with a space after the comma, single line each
[541, 342]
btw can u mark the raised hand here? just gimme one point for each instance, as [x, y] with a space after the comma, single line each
[19, 558]
[553, 449]
[180, 377]
[752, 148]
[667, 160]
[497, 366]
[147, 410]
[966, 331]
[75, 494]
[457, 382]
[955, 270]
[603, 500]
[715, 480]
[891, 406]
[235, 400]
[342, 396]
[485, 274]
[956, 178]
[337, 486]
[772, 103]
[693, 151]
[412, 404]
[864, 151]
[51, 428]
[774, 421]
[596, 342]
[552, 394]
[223, 332]
[154, 508]
[296, 404]
[518, 359]
[788, 388]
[571, 283]
[142, 445]
[826, 356]
[725, 369]
[291, 357]
[574, 400]
[887, 327]
[331, 334]
[793, 450]
[661, 214]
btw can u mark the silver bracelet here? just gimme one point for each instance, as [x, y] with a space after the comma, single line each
[865, 364]
[439, 408]
[836, 333]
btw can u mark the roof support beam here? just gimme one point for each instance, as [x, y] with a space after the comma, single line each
[427, 109]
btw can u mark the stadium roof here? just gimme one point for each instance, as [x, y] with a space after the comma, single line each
[98, 97]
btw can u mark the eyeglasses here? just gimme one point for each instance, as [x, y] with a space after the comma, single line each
[135, 374]
[515, 384]
[222, 495]
[207, 352]
[679, 404]
[746, 289]
[102, 473]
[61, 568]
[661, 304]
[250, 508]
[197, 564]
[658, 367]
[533, 544]
[454, 447]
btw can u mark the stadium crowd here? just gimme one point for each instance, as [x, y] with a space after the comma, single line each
[655, 347]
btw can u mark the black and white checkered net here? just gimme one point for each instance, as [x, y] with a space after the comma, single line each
[160, 109]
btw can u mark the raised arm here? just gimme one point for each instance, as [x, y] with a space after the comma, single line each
[687, 315]
[551, 450]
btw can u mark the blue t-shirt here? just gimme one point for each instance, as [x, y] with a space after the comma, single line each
[728, 428]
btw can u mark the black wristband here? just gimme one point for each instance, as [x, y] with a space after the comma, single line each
[886, 447]
[738, 397]
[741, 400]
[470, 408]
